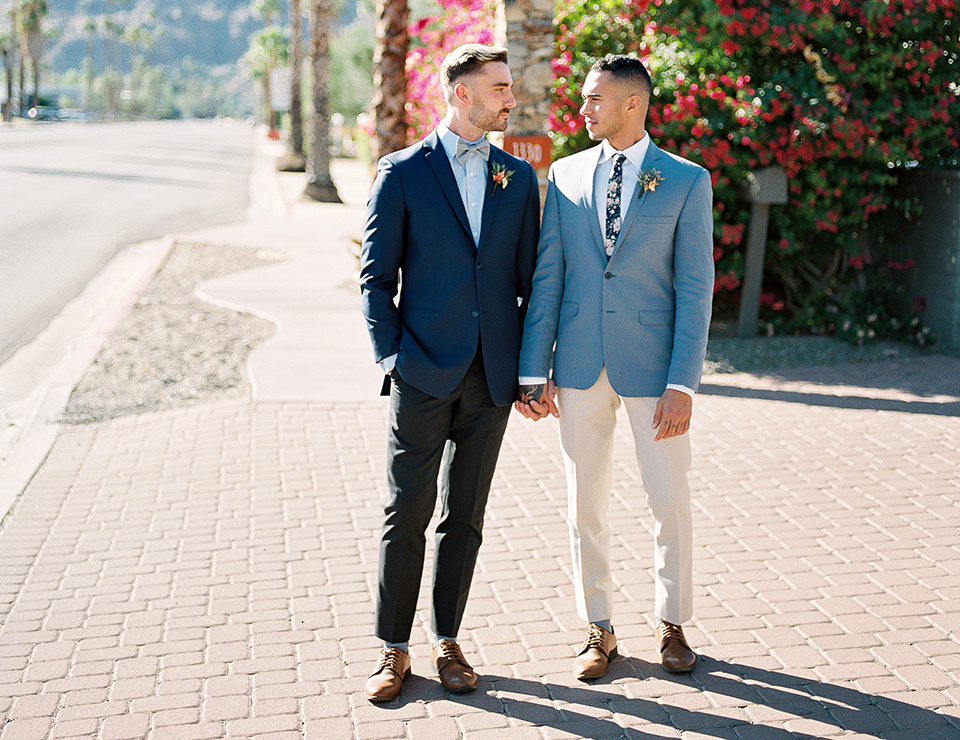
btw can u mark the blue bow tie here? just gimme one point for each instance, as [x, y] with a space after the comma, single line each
[481, 147]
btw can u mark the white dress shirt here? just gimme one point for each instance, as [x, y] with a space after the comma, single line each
[601, 180]
[631, 168]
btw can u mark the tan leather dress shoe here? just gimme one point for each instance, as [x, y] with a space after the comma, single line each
[675, 654]
[598, 650]
[385, 681]
[455, 673]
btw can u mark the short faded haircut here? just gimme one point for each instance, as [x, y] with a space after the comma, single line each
[466, 60]
[626, 70]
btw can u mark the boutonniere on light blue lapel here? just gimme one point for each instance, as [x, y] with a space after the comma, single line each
[501, 176]
[648, 180]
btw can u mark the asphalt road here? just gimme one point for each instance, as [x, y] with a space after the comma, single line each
[73, 194]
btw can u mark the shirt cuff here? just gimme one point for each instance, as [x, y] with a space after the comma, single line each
[682, 388]
[527, 380]
[388, 363]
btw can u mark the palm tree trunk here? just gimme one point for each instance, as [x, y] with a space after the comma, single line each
[8, 70]
[34, 49]
[8, 77]
[296, 68]
[88, 102]
[15, 53]
[293, 159]
[35, 64]
[390, 76]
[319, 183]
[267, 98]
[8, 57]
[23, 74]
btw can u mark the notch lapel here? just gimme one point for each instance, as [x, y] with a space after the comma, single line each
[436, 157]
[493, 193]
[651, 160]
[589, 201]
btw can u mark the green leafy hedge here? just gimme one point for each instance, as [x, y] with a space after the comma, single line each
[840, 94]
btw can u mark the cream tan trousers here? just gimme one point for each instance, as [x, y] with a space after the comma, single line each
[587, 423]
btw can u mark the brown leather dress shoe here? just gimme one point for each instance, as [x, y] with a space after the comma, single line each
[675, 655]
[598, 650]
[386, 679]
[455, 673]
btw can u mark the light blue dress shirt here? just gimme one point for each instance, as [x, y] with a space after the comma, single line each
[471, 179]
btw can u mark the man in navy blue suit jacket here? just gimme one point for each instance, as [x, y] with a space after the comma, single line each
[452, 227]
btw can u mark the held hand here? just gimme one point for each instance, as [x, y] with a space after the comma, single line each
[536, 401]
[672, 417]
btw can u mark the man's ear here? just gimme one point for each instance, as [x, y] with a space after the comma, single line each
[461, 93]
[638, 105]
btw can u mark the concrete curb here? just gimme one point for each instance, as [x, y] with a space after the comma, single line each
[35, 384]
[41, 375]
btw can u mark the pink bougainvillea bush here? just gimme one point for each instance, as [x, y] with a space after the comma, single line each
[842, 95]
[431, 38]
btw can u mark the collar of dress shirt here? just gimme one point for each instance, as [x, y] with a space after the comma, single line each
[448, 140]
[634, 153]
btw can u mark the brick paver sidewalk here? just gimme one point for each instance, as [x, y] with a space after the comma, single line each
[207, 573]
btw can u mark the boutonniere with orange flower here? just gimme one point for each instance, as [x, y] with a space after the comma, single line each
[648, 180]
[501, 175]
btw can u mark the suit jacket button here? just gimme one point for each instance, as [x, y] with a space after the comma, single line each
[608, 275]
[476, 313]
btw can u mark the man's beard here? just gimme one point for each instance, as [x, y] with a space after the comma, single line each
[611, 125]
[487, 121]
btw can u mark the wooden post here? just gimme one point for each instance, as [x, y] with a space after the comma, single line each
[764, 187]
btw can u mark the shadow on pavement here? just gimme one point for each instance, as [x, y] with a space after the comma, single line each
[789, 699]
[88, 174]
[938, 408]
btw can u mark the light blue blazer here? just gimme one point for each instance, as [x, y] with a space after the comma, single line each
[644, 314]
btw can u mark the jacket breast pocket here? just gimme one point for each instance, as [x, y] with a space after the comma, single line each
[657, 219]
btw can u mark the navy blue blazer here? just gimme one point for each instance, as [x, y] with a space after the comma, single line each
[452, 294]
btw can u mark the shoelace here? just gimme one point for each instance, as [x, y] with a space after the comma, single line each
[671, 632]
[451, 651]
[389, 660]
[594, 638]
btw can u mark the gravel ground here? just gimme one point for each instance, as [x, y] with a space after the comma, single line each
[761, 355]
[172, 349]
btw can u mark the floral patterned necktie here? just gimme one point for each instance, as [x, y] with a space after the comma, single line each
[612, 226]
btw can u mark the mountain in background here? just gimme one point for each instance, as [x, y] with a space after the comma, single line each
[211, 33]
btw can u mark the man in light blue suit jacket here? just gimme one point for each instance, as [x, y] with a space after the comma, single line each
[619, 314]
